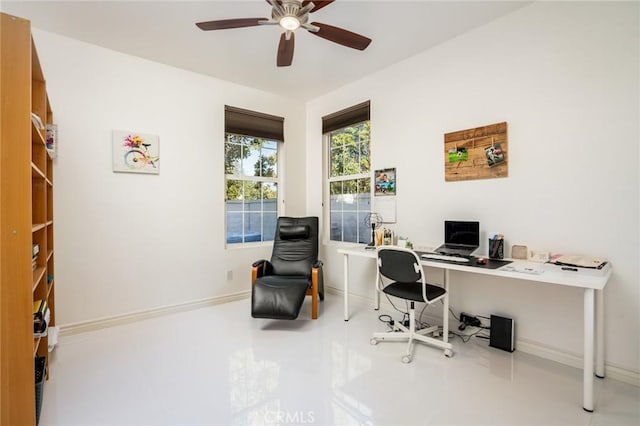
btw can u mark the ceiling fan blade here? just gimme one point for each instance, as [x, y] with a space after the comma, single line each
[225, 24]
[317, 4]
[341, 36]
[285, 49]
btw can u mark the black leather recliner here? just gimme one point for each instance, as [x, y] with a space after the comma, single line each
[279, 286]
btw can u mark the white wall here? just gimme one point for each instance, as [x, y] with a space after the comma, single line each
[127, 242]
[565, 77]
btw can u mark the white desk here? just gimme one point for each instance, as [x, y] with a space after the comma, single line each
[587, 279]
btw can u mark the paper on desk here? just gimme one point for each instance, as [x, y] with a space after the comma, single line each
[581, 261]
[521, 269]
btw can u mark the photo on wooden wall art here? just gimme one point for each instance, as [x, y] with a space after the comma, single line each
[458, 154]
[494, 154]
[135, 152]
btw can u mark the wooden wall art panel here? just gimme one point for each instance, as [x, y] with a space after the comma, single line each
[479, 153]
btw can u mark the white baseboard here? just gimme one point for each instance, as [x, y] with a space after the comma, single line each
[575, 360]
[96, 324]
[528, 346]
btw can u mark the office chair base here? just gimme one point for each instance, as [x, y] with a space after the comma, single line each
[402, 333]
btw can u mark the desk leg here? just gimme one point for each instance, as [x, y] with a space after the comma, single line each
[600, 334]
[346, 286]
[445, 302]
[587, 378]
[376, 295]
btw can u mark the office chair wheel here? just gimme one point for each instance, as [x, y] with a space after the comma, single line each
[448, 353]
[373, 341]
[406, 359]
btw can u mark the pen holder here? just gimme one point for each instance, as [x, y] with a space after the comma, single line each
[496, 249]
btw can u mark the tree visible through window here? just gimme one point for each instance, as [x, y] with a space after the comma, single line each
[251, 168]
[349, 183]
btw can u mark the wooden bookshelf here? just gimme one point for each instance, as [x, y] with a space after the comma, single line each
[26, 218]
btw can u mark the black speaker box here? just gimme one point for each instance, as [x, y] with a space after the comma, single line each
[502, 333]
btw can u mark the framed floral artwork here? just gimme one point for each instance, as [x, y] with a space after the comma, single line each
[135, 152]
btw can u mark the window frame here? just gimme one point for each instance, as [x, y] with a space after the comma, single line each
[248, 178]
[328, 180]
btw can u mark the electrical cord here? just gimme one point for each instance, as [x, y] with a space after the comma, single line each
[419, 321]
[453, 314]
[467, 337]
[387, 319]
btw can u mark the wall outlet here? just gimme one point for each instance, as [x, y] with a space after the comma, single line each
[229, 275]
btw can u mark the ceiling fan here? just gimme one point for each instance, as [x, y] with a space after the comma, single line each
[291, 15]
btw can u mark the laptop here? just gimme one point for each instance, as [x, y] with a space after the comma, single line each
[460, 238]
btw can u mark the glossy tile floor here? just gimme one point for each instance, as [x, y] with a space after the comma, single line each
[217, 365]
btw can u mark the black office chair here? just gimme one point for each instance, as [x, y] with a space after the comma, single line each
[400, 274]
[279, 286]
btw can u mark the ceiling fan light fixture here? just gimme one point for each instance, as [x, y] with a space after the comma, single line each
[289, 23]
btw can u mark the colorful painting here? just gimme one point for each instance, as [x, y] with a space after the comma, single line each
[385, 181]
[136, 152]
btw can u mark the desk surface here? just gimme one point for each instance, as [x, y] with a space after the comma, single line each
[552, 274]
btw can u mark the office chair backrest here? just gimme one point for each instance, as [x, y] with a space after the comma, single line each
[295, 246]
[398, 264]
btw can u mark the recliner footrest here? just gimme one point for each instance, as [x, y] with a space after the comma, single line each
[278, 297]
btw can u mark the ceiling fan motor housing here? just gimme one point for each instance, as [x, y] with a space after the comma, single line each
[290, 8]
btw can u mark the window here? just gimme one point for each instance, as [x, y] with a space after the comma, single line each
[349, 177]
[251, 174]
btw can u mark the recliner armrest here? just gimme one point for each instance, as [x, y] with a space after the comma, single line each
[259, 262]
[260, 268]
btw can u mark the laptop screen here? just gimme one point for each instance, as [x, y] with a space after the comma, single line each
[465, 233]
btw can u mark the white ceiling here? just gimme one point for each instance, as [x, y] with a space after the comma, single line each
[164, 31]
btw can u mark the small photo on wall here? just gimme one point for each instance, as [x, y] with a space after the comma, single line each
[385, 182]
[135, 152]
[458, 154]
[494, 155]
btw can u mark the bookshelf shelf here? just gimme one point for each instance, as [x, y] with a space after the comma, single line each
[36, 344]
[26, 195]
[37, 226]
[36, 135]
[36, 172]
[37, 276]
